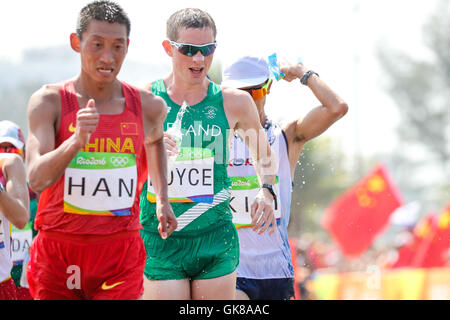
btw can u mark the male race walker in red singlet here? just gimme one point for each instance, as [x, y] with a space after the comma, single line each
[92, 141]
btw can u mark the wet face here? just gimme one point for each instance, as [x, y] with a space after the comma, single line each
[193, 69]
[103, 48]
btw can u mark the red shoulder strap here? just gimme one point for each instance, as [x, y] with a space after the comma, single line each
[69, 101]
[132, 99]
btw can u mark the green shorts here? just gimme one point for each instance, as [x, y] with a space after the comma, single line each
[207, 255]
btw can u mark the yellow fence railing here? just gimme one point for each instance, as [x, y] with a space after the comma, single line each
[399, 284]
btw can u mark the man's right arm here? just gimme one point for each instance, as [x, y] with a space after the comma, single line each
[318, 120]
[45, 164]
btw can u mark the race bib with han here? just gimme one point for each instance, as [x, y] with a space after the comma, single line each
[99, 183]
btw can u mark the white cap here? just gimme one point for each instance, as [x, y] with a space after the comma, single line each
[10, 132]
[246, 71]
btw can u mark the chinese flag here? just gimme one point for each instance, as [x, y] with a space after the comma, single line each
[412, 253]
[357, 217]
[434, 250]
[129, 128]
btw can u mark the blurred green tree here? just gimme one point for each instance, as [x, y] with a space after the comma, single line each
[421, 91]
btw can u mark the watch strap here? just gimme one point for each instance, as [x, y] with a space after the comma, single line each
[270, 188]
[306, 75]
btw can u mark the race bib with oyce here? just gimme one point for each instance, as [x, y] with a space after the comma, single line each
[191, 178]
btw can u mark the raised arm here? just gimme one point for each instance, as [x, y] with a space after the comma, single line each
[45, 164]
[14, 200]
[154, 111]
[319, 119]
[244, 120]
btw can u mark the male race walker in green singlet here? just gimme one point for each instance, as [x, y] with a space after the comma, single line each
[199, 259]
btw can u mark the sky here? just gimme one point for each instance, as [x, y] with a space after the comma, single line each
[337, 39]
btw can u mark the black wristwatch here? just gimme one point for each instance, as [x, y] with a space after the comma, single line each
[2, 187]
[270, 188]
[306, 75]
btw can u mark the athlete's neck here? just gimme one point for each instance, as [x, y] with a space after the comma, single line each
[90, 89]
[180, 91]
[262, 118]
[261, 112]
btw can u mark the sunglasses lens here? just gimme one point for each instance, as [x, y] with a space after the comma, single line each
[258, 94]
[191, 51]
[183, 50]
[187, 50]
[208, 49]
[11, 150]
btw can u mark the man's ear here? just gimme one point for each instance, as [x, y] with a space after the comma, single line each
[167, 47]
[75, 42]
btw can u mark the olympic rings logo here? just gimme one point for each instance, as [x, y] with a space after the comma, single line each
[119, 161]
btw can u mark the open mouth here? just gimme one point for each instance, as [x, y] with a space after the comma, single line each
[196, 71]
[106, 71]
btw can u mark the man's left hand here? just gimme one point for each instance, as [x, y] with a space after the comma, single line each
[167, 220]
[263, 216]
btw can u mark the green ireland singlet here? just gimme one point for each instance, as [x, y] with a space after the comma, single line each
[199, 187]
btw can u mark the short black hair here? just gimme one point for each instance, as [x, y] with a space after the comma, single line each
[102, 11]
[189, 18]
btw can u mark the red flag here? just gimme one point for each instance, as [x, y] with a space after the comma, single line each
[412, 252]
[293, 247]
[129, 128]
[434, 251]
[357, 217]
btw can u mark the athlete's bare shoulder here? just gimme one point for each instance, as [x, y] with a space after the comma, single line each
[234, 98]
[148, 87]
[45, 101]
[10, 159]
[237, 104]
[11, 162]
[153, 106]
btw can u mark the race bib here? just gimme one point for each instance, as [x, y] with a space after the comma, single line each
[21, 242]
[243, 193]
[191, 178]
[99, 183]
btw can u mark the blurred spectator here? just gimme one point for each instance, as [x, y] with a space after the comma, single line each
[13, 141]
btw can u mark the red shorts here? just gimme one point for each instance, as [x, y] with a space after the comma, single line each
[86, 267]
[8, 290]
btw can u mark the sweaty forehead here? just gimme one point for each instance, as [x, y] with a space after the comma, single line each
[195, 35]
[106, 29]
